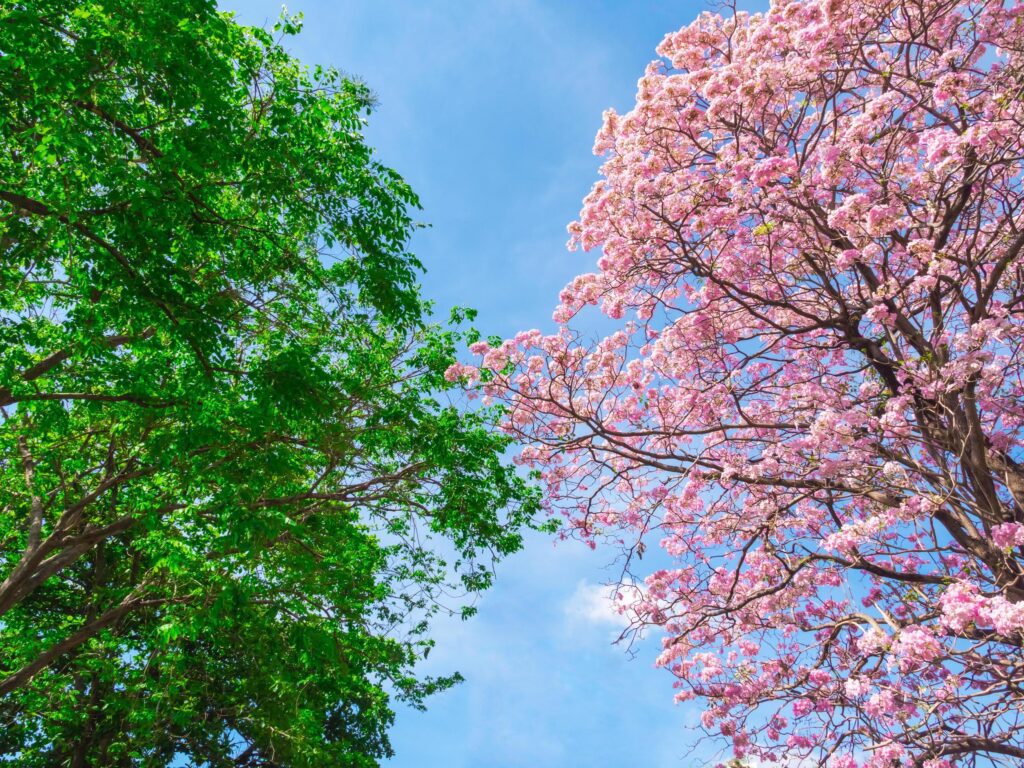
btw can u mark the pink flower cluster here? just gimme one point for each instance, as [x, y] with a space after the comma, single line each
[1008, 535]
[964, 608]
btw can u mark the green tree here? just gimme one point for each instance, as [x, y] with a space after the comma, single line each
[232, 489]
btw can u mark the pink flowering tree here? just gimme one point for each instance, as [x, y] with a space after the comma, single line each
[810, 229]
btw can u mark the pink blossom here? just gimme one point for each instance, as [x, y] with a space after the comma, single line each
[1008, 535]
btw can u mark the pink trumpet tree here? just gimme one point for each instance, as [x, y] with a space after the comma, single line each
[811, 228]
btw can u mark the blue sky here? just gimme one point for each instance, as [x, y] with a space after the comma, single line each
[489, 109]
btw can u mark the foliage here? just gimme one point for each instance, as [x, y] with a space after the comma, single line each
[232, 490]
[811, 226]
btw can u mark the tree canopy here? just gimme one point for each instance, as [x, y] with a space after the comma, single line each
[811, 228]
[232, 487]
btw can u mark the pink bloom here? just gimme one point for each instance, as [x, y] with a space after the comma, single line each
[1008, 535]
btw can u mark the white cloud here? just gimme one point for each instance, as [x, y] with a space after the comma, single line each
[593, 604]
